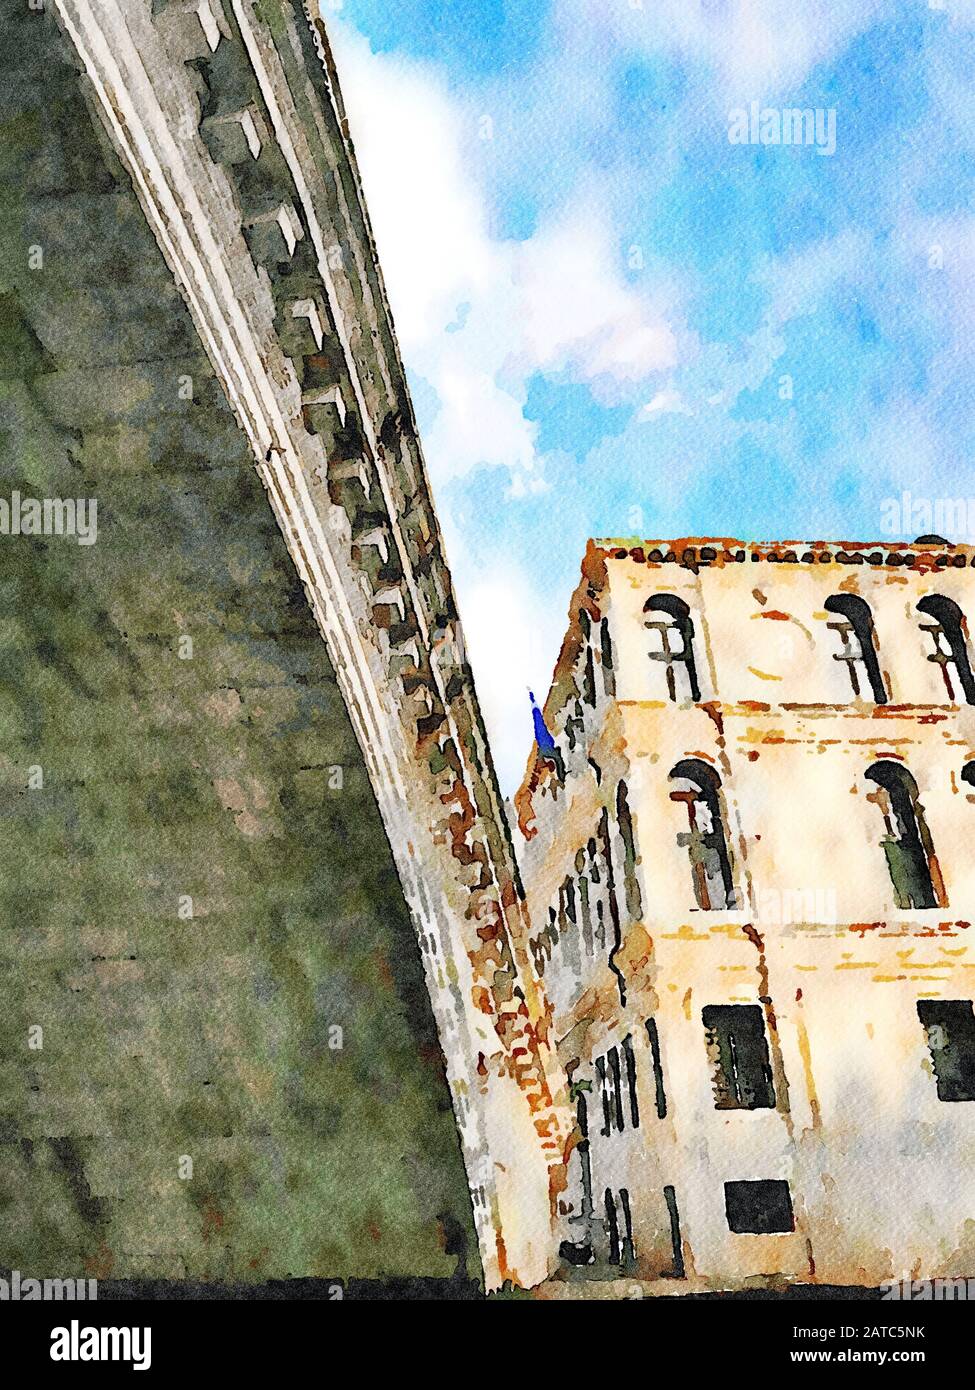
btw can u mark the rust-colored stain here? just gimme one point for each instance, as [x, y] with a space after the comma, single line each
[101, 1263]
[212, 1218]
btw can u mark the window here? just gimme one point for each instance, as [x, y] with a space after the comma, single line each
[566, 914]
[582, 887]
[624, 819]
[579, 1251]
[552, 930]
[950, 1026]
[704, 840]
[604, 858]
[615, 1081]
[676, 1244]
[854, 627]
[911, 861]
[594, 883]
[575, 726]
[759, 1208]
[606, 658]
[558, 931]
[629, 1058]
[619, 1227]
[948, 631]
[588, 661]
[615, 1070]
[562, 925]
[604, 1095]
[741, 1071]
[671, 628]
[658, 1075]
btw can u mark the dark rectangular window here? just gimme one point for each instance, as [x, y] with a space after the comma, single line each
[739, 1057]
[589, 680]
[628, 1248]
[585, 910]
[610, 1070]
[606, 654]
[617, 1089]
[630, 1060]
[604, 1095]
[612, 1228]
[619, 1227]
[676, 1244]
[658, 1074]
[950, 1026]
[759, 1208]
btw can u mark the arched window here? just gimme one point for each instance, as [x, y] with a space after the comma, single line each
[948, 631]
[911, 860]
[699, 789]
[668, 620]
[858, 647]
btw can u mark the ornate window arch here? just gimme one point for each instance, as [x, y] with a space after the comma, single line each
[855, 629]
[949, 633]
[668, 620]
[699, 788]
[911, 860]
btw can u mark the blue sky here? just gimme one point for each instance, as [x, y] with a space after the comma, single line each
[618, 322]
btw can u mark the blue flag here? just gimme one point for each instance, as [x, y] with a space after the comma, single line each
[545, 741]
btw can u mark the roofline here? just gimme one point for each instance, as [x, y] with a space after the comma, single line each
[693, 552]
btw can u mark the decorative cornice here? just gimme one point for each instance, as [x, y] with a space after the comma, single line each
[927, 553]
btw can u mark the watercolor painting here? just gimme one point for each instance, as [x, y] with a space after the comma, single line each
[488, 751]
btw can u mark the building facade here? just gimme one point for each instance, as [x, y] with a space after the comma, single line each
[748, 859]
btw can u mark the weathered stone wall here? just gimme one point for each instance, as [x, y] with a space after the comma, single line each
[168, 777]
[228, 117]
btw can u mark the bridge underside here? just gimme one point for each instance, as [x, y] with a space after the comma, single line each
[240, 863]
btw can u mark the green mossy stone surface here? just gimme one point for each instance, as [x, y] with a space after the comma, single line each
[166, 779]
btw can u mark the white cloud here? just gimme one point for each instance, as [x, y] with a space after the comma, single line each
[667, 402]
[578, 314]
[961, 12]
[426, 212]
[478, 316]
[513, 640]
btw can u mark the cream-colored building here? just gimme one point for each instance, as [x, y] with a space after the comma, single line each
[750, 868]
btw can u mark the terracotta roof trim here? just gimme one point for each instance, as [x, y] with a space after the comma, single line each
[698, 553]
